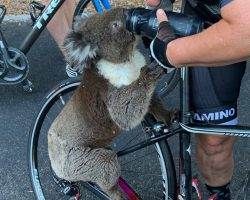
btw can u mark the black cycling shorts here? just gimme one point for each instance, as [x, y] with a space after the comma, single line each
[214, 92]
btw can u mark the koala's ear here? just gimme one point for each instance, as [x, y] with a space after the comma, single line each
[77, 50]
[79, 21]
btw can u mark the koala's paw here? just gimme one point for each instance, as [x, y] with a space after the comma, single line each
[152, 74]
[118, 195]
[171, 117]
[174, 116]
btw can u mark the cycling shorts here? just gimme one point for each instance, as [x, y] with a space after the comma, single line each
[214, 93]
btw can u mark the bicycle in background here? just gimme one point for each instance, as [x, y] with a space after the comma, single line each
[14, 65]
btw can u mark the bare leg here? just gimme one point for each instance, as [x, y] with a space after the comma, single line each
[214, 156]
[61, 23]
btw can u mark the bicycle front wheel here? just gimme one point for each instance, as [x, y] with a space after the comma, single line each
[147, 174]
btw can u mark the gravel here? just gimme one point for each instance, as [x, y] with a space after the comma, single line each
[21, 7]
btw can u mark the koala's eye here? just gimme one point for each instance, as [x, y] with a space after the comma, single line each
[116, 24]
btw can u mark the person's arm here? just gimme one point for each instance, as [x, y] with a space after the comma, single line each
[225, 42]
[61, 23]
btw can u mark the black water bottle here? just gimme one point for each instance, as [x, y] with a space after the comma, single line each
[144, 22]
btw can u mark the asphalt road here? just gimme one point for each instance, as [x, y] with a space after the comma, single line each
[17, 110]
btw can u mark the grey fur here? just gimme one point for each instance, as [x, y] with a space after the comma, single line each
[100, 108]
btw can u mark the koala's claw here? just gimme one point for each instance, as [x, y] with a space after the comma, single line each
[175, 116]
[152, 73]
[118, 194]
[153, 65]
[156, 73]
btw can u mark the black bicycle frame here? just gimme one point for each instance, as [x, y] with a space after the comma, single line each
[40, 24]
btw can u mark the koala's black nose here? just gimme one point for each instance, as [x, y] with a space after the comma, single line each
[126, 12]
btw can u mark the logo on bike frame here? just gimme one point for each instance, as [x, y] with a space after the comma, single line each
[46, 14]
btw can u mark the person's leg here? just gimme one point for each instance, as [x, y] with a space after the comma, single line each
[214, 155]
[215, 158]
[214, 94]
[61, 23]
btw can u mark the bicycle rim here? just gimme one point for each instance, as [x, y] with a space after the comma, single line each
[148, 172]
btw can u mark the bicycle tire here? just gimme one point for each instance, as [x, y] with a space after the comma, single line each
[81, 6]
[168, 83]
[158, 160]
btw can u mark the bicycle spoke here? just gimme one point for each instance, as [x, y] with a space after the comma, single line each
[137, 158]
[129, 142]
[139, 172]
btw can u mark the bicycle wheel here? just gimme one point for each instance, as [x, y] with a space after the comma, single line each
[147, 173]
[169, 81]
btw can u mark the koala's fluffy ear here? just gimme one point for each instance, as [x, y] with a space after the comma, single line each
[76, 49]
[79, 21]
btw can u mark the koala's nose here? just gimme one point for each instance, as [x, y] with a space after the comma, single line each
[126, 12]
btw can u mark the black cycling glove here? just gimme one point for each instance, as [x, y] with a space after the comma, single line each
[159, 44]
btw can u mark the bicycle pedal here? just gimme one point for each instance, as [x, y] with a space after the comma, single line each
[77, 197]
[2, 12]
[68, 188]
[73, 191]
[27, 86]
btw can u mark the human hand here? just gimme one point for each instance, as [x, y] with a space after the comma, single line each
[164, 35]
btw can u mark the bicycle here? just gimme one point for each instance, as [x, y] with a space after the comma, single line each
[153, 144]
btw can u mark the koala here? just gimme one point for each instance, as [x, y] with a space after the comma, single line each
[116, 92]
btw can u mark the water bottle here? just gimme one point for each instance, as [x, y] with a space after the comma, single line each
[143, 22]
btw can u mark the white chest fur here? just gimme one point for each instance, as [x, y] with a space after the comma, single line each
[122, 74]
